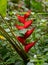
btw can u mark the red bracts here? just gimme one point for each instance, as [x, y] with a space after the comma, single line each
[21, 39]
[19, 27]
[21, 19]
[26, 24]
[27, 14]
[28, 33]
[28, 46]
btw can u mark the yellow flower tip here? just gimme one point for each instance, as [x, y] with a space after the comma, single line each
[2, 37]
[27, 13]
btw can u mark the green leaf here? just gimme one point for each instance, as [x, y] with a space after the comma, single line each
[27, 3]
[36, 5]
[3, 7]
[45, 64]
[21, 32]
[19, 62]
[29, 63]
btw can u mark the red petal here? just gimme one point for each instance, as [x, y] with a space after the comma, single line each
[28, 46]
[28, 23]
[21, 39]
[19, 27]
[21, 19]
[27, 14]
[28, 33]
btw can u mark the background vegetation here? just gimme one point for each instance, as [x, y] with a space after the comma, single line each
[39, 53]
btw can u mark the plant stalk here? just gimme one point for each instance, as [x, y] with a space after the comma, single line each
[20, 51]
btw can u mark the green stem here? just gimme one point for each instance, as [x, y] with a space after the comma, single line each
[10, 28]
[20, 51]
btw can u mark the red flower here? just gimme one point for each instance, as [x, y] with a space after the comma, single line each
[19, 27]
[21, 39]
[28, 46]
[28, 33]
[27, 23]
[27, 14]
[21, 19]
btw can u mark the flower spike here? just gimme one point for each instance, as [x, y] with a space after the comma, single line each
[26, 23]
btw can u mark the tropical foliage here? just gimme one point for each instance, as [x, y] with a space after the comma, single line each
[11, 49]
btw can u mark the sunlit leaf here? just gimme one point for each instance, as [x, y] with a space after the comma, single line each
[3, 7]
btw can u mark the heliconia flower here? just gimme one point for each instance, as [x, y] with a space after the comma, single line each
[27, 14]
[28, 33]
[21, 19]
[21, 39]
[29, 46]
[28, 23]
[19, 27]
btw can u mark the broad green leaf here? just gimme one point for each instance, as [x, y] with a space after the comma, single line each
[3, 7]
